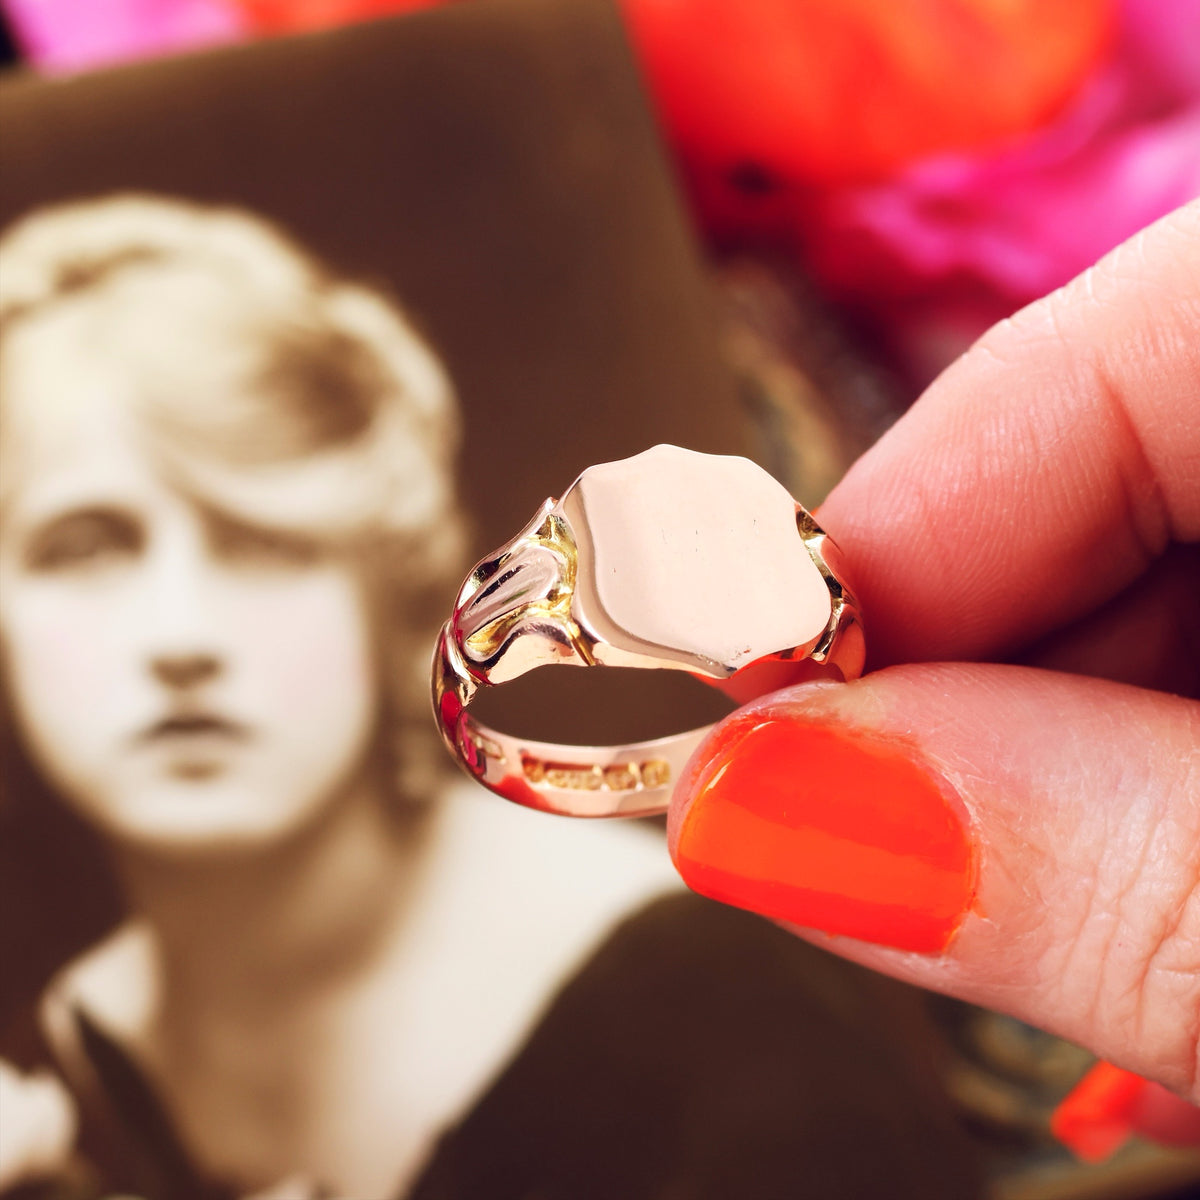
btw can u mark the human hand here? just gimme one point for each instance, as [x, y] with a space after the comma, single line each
[1009, 810]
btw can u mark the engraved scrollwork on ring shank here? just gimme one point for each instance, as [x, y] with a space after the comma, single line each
[514, 612]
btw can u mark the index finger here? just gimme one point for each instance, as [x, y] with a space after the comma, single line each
[1044, 470]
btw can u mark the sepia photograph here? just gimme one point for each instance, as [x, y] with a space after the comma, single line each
[318, 323]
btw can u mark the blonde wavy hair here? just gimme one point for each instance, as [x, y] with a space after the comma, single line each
[343, 427]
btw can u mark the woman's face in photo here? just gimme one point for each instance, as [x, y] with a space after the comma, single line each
[182, 678]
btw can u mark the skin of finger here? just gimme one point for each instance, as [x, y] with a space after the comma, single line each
[1043, 471]
[1148, 636]
[1084, 798]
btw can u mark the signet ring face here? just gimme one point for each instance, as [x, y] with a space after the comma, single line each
[670, 560]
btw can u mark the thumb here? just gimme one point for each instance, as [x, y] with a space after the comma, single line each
[1020, 839]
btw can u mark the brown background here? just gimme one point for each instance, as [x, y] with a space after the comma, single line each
[494, 163]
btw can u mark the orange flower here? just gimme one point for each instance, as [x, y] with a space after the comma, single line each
[281, 16]
[840, 90]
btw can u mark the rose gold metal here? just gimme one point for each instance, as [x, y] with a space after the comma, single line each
[668, 560]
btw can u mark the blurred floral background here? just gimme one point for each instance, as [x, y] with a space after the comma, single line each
[932, 165]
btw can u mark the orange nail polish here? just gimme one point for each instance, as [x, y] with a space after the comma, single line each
[1109, 1105]
[1095, 1118]
[828, 828]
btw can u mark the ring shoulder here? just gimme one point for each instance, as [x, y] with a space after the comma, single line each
[843, 644]
[514, 612]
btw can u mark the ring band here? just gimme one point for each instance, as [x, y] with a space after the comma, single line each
[668, 560]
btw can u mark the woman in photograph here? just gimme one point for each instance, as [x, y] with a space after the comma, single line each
[228, 531]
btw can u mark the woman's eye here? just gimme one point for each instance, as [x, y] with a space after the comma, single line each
[266, 548]
[82, 541]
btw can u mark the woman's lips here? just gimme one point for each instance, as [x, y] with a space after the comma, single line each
[195, 745]
[194, 727]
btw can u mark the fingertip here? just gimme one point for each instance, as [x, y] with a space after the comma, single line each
[1095, 1118]
[978, 829]
[1042, 472]
[1109, 1105]
[795, 812]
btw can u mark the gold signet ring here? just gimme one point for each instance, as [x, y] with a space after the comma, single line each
[668, 560]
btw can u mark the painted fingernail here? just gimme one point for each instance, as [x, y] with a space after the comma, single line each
[829, 828]
[1095, 1118]
[1109, 1105]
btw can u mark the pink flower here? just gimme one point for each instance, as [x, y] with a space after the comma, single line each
[67, 35]
[952, 243]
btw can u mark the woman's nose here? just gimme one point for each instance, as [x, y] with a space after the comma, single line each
[181, 630]
[183, 671]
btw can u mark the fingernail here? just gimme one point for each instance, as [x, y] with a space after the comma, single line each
[829, 828]
[1095, 1119]
[1109, 1105]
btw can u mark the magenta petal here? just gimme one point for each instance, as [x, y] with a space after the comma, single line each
[1162, 40]
[953, 243]
[1023, 225]
[66, 35]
